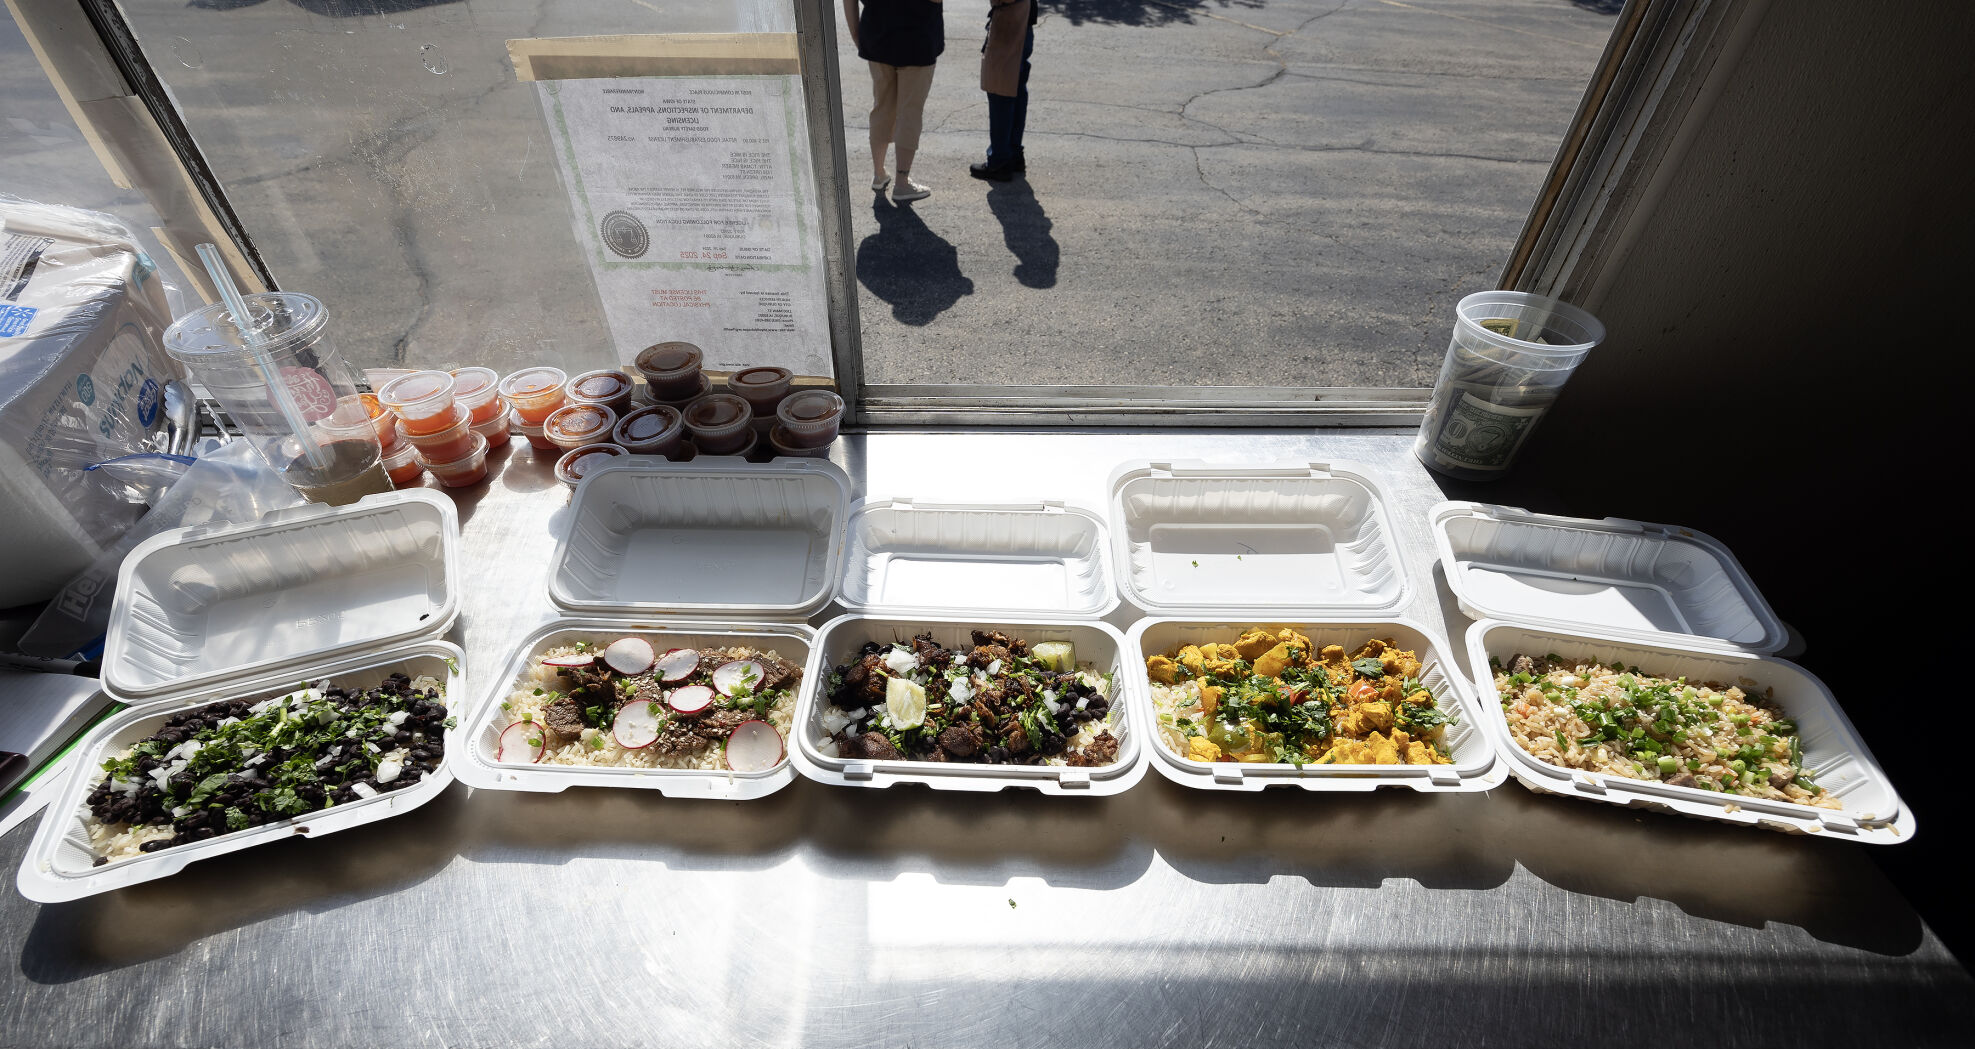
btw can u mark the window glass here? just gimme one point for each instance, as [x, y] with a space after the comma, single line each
[1280, 193]
[44, 157]
[384, 157]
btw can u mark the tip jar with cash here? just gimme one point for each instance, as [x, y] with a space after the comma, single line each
[1510, 356]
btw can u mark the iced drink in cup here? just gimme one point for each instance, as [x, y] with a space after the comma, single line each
[1511, 354]
[288, 390]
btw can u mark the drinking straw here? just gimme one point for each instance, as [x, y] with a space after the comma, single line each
[236, 307]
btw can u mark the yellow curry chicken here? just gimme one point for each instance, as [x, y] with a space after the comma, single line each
[1272, 697]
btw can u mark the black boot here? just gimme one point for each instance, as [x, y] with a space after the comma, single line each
[992, 172]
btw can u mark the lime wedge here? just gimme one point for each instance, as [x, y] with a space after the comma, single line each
[1060, 656]
[906, 703]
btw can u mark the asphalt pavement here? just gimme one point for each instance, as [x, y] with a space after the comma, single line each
[1250, 192]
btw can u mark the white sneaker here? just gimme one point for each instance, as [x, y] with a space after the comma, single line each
[910, 190]
[879, 182]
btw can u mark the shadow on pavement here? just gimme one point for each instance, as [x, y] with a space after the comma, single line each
[1150, 13]
[909, 266]
[1025, 228]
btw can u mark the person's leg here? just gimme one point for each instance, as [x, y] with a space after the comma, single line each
[914, 83]
[884, 112]
[1001, 123]
[1019, 118]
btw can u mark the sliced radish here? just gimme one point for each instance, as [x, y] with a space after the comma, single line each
[678, 664]
[729, 676]
[755, 746]
[522, 741]
[629, 655]
[636, 726]
[570, 659]
[691, 699]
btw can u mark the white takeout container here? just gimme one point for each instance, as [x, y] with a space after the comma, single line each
[203, 616]
[1673, 602]
[716, 552]
[1475, 766]
[1218, 550]
[1037, 571]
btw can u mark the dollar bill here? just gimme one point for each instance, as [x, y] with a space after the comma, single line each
[1479, 435]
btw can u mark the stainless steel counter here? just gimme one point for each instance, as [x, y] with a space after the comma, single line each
[833, 916]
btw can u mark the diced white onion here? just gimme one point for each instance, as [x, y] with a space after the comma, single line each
[901, 660]
[398, 717]
[1083, 702]
[962, 691]
[372, 747]
[223, 722]
[994, 668]
[388, 769]
[828, 748]
[363, 790]
[178, 810]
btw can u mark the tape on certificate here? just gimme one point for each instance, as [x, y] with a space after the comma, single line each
[654, 54]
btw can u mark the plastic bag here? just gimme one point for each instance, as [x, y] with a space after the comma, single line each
[83, 313]
[229, 485]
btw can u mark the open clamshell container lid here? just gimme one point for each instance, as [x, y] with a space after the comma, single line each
[1302, 538]
[348, 593]
[1038, 571]
[714, 553]
[1048, 558]
[1614, 576]
[196, 607]
[714, 537]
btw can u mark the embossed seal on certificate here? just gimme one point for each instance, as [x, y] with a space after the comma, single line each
[624, 235]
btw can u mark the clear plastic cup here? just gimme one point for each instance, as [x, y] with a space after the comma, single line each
[780, 440]
[606, 386]
[453, 442]
[535, 392]
[495, 430]
[719, 423]
[576, 463]
[652, 430]
[810, 418]
[422, 401]
[762, 388]
[279, 385]
[533, 431]
[1510, 356]
[478, 389]
[470, 468]
[574, 425]
[673, 370]
[402, 465]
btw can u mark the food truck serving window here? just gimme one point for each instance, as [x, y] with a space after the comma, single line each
[1272, 234]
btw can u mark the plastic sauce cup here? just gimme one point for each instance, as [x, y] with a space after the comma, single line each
[810, 418]
[382, 420]
[577, 462]
[652, 430]
[574, 425]
[402, 466]
[719, 423]
[606, 386]
[470, 468]
[534, 392]
[422, 401]
[447, 445]
[685, 453]
[762, 388]
[532, 431]
[495, 430]
[478, 389]
[705, 387]
[672, 369]
[778, 439]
